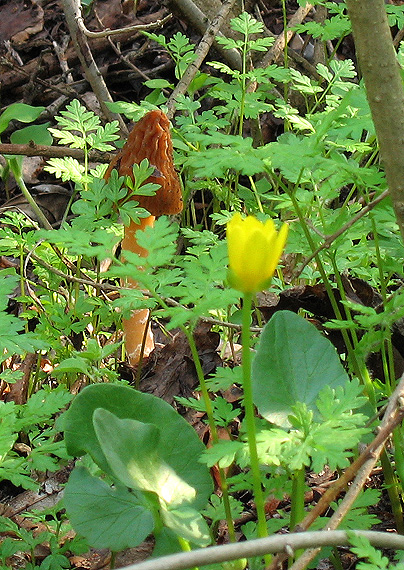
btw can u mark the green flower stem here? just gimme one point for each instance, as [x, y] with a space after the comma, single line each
[186, 547]
[297, 502]
[297, 510]
[213, 429]
[250, 416]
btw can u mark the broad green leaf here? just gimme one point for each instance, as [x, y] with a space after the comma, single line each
[131, 449]
[166, 542]
[176, 435]
[187, 523]
[37, 133]
[294, 361]
[107, 517]
[19, 112]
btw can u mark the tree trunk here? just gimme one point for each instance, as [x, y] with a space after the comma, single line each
[381, 73]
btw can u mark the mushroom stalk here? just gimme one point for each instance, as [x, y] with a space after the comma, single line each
[150, 138]
[136, 329]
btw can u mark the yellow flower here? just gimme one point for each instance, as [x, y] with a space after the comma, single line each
[254, 251]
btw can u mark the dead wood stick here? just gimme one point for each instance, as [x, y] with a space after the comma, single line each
[32, 149]
[275, 51]
[201, 52]
[135, 28]
[359, 470]
[200, 22]
[72, 11]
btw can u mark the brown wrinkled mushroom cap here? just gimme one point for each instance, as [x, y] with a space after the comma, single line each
[150, 138]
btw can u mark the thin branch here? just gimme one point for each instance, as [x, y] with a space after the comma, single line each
[72, 11]
[201, 52]
[261, 546]
[279, 45]
[359, 470]
[330, 238]
[199, 21]
[134, 28]
[32, 149]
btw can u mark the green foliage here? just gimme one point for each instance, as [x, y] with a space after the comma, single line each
[292, 364]
[180, 49]
[57, 536]
[137, 439]
[125, 520]
[374, 558]
[336, 27]
[149, 471]
[11, 341]
[33, 420]
[19, 112]
[76, 119]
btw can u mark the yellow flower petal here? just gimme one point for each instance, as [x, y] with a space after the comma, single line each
[254, 251]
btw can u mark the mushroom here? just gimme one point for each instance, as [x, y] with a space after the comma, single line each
[150, 138]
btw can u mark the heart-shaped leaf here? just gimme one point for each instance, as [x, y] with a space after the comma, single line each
[131, 449]
[294, 361]
[179, 445]
[108, 517]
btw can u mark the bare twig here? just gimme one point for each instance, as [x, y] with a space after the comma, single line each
[198, 20]
[261, 546]
[359, 469]
[32, 149]
[275, 51]
[328, 240]
[201, 52]
[135, 28]
[72, 12]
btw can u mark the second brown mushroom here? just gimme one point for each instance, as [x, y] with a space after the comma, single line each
[151, 139]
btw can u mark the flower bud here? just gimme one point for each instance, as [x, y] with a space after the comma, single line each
[254, 251]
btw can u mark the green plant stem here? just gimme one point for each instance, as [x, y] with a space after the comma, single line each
[40, 215]
[398, 456]
[391, 485]
[185, 547]
[361, 364]
[213, 429]
[351, 354]
[243, 85]
[297, 509]
[250, 416]
[297, 502]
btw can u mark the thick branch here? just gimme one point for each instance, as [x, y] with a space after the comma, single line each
[261, 546]
[32, 149]
[381, 72]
